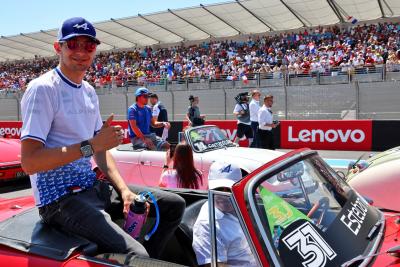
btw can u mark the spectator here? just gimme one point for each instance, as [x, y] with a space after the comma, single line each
[271, 55]
[183, 173]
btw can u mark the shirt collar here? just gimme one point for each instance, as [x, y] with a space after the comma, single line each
[66, 80]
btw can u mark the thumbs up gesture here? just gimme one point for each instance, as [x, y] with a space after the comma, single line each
[108, 137]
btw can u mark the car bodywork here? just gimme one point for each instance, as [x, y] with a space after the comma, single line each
[10, 160]
[293, 211]
[208, 143]
[378, 178]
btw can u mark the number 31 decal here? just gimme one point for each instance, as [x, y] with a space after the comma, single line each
[310, 245]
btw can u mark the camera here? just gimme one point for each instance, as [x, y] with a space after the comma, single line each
[242, 98]
[275, 122]
[191, 98]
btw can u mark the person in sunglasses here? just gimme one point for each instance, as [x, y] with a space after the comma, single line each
[140, 118]
[62, 130]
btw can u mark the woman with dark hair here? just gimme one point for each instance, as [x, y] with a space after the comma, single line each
[183, 173]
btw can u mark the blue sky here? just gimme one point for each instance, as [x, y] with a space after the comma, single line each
[25, 16]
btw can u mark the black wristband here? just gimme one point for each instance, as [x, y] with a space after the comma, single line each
[165, 166]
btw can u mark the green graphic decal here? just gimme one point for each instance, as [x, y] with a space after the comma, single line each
[280, 213]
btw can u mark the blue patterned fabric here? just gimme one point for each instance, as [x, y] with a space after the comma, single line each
[55, 183]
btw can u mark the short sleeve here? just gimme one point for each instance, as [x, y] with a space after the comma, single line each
[237, 108]
[37, 113]
[168, 179]
[132, 114]
[99, 121]
[156, 111]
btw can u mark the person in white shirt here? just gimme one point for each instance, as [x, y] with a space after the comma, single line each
[254, 107]
[62, 130]
[266, 124]
[232, 246]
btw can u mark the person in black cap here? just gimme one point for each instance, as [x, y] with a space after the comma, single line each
[62, 130]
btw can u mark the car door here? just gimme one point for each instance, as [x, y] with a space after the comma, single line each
[127, 162]
[230, 241]
[150, 164]
[241, 195]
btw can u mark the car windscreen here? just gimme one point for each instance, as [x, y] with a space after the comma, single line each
[311, 215]
[208, 138]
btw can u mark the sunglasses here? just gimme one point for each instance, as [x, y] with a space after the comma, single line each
[73, 45]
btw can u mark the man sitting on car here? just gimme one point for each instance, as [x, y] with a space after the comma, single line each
[232, 246]
[139, 121]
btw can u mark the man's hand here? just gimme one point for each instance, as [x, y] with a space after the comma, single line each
[150, 145]
[127, 198]
[108, 137]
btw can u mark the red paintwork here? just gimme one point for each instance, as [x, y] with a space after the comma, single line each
[11, 257]
[391, 235]
[239, 192]
[11, 207]
[392, 238]
[10, 158]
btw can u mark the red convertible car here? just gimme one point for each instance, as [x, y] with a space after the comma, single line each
[10, 159]
[292, 211]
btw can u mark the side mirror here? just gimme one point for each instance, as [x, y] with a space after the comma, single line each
[341, 175]
[292, 172]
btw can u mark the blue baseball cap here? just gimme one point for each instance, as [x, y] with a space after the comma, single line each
[142, 91]
[76, 27]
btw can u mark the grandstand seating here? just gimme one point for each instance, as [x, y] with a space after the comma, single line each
[318, 53]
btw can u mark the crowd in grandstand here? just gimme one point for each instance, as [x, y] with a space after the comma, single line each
[320, 50]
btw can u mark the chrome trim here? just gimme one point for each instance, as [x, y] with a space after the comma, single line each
[211, 221]
[253, 206]
[99, 261]
[246, 231]
[375, 246]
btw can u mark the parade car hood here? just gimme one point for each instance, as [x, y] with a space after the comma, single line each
[11, 150]
[260, 156]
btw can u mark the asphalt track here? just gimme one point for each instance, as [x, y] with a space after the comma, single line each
[337, 159]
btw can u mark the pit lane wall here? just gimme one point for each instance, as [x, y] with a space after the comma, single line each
[367, 135]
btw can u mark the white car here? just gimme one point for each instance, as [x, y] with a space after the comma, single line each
[209, 143]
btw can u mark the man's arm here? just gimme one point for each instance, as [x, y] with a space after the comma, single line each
[159, 124]
[136, 129]
[36, 158]
[106, 163]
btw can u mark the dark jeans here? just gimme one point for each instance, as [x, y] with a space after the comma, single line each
[254, 127]
[265, 139]
[87, 214]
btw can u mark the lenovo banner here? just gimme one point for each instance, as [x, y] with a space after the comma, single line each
[330, 135]
[10, 129]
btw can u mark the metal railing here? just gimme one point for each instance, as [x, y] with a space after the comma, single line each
[364, 93]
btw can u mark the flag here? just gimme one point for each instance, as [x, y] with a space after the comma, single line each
[352, 20]
[170, 72]
[244, 79]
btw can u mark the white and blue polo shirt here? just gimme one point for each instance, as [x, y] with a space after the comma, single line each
[59, 112]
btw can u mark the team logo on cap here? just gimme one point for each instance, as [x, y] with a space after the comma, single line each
[83, 26]
[226, 169]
